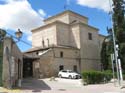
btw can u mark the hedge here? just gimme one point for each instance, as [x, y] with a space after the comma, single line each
[96, 77]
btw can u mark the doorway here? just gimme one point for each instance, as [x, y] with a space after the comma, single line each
[27, 68]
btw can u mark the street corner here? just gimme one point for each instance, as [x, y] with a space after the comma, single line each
[5, 90]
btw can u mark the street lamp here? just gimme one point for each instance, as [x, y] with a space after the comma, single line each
[116, 57]
[18, 34]
[3, 34]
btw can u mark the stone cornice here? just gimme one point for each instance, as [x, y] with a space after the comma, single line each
[62, 13]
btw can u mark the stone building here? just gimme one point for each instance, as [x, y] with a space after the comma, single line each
[65, 41]
[12, 63]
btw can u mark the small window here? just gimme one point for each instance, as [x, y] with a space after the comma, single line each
[90, 36]
[48, 42]
[61, 54]
[61, 67]
[75, 68]
[43, 43]
[37, 53]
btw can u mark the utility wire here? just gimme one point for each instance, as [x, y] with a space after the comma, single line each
[22, 41]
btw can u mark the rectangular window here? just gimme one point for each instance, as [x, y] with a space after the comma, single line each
[90, 36]
[61, 67]
[61, 54]
[75, 68]
[43, 43]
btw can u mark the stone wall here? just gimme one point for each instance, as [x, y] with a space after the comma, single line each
[75, 36]
[48, 64]
[89, 48]
[12, 63]
[63, 18]
[67, 17]
[63, 32]
[44, 36]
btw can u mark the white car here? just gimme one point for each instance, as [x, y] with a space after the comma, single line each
[69, 74]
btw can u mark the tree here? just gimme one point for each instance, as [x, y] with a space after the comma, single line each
[118, 20]
[106, 51]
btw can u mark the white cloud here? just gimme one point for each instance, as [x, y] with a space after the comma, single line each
[10, 1]
[19, 14]
[99, 4]
[41, 12]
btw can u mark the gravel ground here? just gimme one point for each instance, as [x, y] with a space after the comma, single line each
[63, 86]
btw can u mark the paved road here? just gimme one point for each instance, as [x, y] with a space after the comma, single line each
[65, 86]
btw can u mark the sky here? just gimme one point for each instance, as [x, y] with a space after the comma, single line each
[29, 14]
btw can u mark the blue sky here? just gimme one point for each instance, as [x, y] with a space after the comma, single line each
[29, 14]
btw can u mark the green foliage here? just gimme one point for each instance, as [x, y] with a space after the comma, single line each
[108, 74]
[96, 77]
[104, 58]
[118, 19]
[123, 76]
[107, 49]
[119, 27]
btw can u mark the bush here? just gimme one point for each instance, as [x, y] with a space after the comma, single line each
[96, 77]
[123, 76]
[108, 75]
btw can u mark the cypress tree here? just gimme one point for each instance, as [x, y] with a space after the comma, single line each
[118, 19]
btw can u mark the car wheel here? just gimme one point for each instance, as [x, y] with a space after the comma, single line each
[74, 77]
[60, 76]
[70, 77]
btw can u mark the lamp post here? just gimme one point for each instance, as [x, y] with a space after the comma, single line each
[116, 16]
[3, 34]
[116, 57]
[18, 34]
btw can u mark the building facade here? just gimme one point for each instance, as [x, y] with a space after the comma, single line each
[65, 41]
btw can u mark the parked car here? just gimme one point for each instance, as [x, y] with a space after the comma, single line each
[69, 74]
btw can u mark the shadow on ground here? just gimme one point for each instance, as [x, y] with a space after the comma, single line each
[34, 84]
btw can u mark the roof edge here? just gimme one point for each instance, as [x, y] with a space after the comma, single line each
[67, 11]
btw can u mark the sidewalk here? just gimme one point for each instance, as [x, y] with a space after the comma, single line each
[4, 90]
